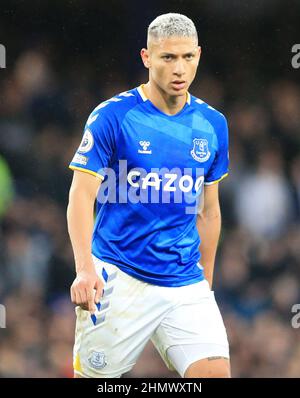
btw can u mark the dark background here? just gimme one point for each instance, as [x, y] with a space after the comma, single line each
[63, 59]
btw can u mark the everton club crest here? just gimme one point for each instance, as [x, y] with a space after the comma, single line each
[97, 360]
[200, 152]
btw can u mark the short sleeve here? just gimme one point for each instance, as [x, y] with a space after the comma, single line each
[97, 146]
[220, 166]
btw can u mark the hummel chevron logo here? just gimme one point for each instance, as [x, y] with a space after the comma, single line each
[145, 145]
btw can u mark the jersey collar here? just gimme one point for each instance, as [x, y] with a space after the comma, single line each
[145, 98]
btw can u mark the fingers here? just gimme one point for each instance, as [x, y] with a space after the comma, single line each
[99, 289]
[83, 297]
[72, 294]
[79, 298]
[86, 291]
[75, 295]
[90, 300]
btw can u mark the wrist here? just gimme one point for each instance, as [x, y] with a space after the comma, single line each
[86, 265]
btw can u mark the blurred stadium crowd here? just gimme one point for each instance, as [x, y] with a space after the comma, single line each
[42, 112]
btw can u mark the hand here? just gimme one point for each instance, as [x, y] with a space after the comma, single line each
[86, 290]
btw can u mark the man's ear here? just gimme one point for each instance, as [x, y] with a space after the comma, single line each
[145, 57]
[199, 52]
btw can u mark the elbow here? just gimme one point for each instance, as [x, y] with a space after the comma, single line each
[68, 211]
[69, 214]
[70, 202]
[210, 214]
[79, 200]
[71, 207]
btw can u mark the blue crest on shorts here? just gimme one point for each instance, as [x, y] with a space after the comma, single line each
[97, 360]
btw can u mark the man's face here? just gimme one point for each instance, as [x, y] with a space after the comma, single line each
[172, 63]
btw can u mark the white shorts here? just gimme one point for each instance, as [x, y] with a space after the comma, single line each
[184, 324]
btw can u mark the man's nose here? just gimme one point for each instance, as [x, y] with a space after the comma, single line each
[179, 69]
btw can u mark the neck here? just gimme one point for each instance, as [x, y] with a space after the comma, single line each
[169, 104]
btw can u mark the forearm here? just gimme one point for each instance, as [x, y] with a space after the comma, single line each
[80, 216]
[209, 227]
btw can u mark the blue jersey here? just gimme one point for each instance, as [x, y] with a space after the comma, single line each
[153, 168]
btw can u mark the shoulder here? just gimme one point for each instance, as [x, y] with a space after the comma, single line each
[212, 115]
[114, 109]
